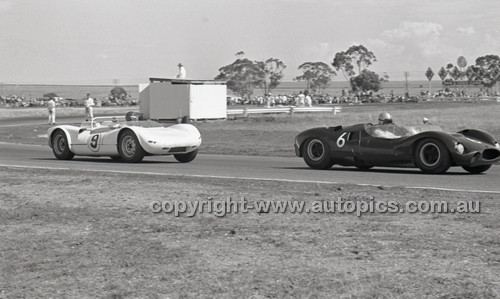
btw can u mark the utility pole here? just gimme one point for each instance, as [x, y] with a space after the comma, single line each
[429, 74]
[407, 93]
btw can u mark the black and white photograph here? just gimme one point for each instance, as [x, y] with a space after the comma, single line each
[249, 149]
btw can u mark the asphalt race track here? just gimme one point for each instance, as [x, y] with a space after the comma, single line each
[254, 168]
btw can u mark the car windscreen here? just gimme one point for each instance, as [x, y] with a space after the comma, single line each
[393, 131]
[388, 131]
[143, 123]
[415, 129]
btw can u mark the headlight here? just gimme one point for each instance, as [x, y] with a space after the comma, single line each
[459, 148]
[497, 145]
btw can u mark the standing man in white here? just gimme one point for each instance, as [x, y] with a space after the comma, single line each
[51, 105]
[308, 99]
[301, 99]
[89, 103]
[182, 71]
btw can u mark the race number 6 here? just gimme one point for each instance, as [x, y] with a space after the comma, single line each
[341, 140]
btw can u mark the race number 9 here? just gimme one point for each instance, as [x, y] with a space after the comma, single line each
[94, 143]
[341, 140]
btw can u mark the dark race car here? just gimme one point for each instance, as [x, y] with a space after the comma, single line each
[424, 146]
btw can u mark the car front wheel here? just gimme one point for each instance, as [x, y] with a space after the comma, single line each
[316, 154]
[432, 156]
[477, 169]
[60, 146]
[129, 147]
[185, 158]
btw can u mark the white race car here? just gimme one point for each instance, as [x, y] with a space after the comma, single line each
[123, 138]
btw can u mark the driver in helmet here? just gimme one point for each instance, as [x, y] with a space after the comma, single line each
[386, 128]
[114, 123]
[384, 118]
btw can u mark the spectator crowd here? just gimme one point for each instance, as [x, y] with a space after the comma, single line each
[300, 99]
[22, 101]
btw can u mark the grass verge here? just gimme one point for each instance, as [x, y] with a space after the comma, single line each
[273, 135]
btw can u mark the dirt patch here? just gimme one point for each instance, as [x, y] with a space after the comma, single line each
[85, 234]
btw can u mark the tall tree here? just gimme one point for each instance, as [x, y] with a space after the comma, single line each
[359, 58]
[271, 74]
[367, 81]
[50, 95]
[488, 61]
[316, 74]
[343, 63]
[356, 55]
[488, 69]
[118, 93]
[241, 76]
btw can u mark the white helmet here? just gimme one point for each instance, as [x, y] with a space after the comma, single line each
[385, 118]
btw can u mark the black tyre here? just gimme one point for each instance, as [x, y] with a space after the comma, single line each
[364, 167]
[185, 158]
[432, 156]
[316, 154]
[60, 146]
[477, 169]
[129, 147]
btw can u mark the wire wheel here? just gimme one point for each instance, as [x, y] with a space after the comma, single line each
[60, 146]
[129, 147]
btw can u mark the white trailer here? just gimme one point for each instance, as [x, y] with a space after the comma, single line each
[165, 98]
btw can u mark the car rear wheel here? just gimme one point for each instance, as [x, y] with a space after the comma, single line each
[129, 147]
[477, 169]
[185, 158]
[364, 167]
[431, 156]
[60, 146]
[317, 154]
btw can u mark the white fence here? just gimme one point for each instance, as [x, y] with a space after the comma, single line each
[245, 111]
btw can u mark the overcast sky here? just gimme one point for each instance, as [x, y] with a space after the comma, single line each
[96, 41]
